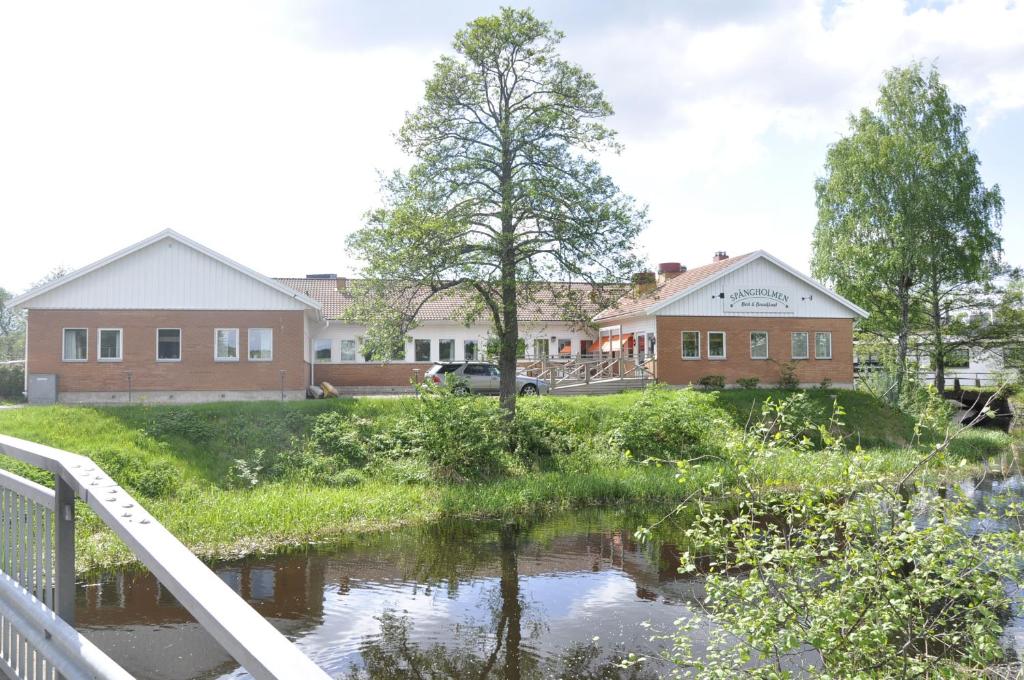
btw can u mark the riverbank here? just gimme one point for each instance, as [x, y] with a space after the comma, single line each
[178, 461]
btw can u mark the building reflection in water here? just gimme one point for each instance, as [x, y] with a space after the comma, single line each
[484, 601]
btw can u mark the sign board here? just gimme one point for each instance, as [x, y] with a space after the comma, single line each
[757, 299]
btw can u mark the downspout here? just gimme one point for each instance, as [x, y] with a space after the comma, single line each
[24, 371]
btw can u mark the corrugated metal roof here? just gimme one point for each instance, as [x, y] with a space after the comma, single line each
[449, 306]
[633, 304]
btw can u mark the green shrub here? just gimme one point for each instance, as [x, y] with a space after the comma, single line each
[169, 421]
[712, 382]
[151, 479]
[748, 383]
[674, 424]
[340, 437]
[787, 376]
[12, 381]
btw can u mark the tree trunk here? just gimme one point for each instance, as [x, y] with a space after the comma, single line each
[509, 293]
[938, 357]
[903, 340]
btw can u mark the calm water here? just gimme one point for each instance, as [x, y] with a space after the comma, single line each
[561, 598]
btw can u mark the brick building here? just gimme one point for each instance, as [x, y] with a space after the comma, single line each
[169, 320]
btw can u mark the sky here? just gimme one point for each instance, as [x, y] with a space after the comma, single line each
[261, 128]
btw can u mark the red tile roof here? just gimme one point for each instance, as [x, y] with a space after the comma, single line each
[548, 304]
[633, 304]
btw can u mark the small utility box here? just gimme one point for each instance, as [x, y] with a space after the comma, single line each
[42, 388]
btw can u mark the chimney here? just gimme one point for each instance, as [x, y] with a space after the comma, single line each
[669, 270]
[643, 283]
[719, 256]
[342, 283]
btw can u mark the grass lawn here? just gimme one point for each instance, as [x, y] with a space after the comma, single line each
[196, 445]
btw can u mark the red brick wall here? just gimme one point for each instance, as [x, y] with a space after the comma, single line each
[196, 371]
[674, 370]
[397, 374]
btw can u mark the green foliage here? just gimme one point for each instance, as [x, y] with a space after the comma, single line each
[712, 382]
[904, 218]
[748, 383]
[12, 335]
[853, 576]
[787, 376]
[152, 479]
[12, 381]
[672, 424]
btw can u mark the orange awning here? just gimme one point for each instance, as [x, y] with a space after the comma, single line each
[606, 344]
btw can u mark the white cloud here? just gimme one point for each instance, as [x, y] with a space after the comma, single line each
[242, 125]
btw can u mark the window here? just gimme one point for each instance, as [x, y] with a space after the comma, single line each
[261, 344]
[959, 357]
[225, 344]
[716, 345]
[469, 350]
[168, 344]
[421, 350]
[476, 369]
[541, 346]
[823, 345]
[759, 345]
[110, 344]
[564, 347]
[446, 350]
[76, 344]
[322, 351]
[691, 344]
[799, 341]
[348, 350]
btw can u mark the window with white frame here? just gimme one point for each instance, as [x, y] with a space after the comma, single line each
[348, 350]
[261, 344]
[716, 344]
[691, 344]
[322, 350]
[469, 350]
[421, 349]
[799, 342]
[564, 347]
[541, 348]
[110, 344]
[225, 344]
[168, 344]
[823, 345]
[76, 344]
[446, 349]
[759, 344]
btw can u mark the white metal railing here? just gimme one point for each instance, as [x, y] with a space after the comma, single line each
[38, 553]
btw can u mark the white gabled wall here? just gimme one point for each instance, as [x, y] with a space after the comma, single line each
[166, 274]
[803, 299]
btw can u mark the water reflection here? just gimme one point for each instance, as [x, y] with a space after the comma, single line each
[565, 598]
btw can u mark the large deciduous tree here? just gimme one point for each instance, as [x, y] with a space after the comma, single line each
[905, 223]
[505, 195]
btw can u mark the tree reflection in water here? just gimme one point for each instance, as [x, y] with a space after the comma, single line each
[394, 656]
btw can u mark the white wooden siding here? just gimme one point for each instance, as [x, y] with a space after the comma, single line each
[166, 274]
[804, 300]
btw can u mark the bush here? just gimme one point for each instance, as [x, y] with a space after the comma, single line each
[674, 424]
[12, 381]
[152, 479]
[787, 376]
[748, 383]
[166, 421]
[712, 382]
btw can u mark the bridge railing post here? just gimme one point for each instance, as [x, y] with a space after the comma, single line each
[64, 550]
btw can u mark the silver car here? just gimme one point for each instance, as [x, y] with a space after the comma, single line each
[481, 378]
